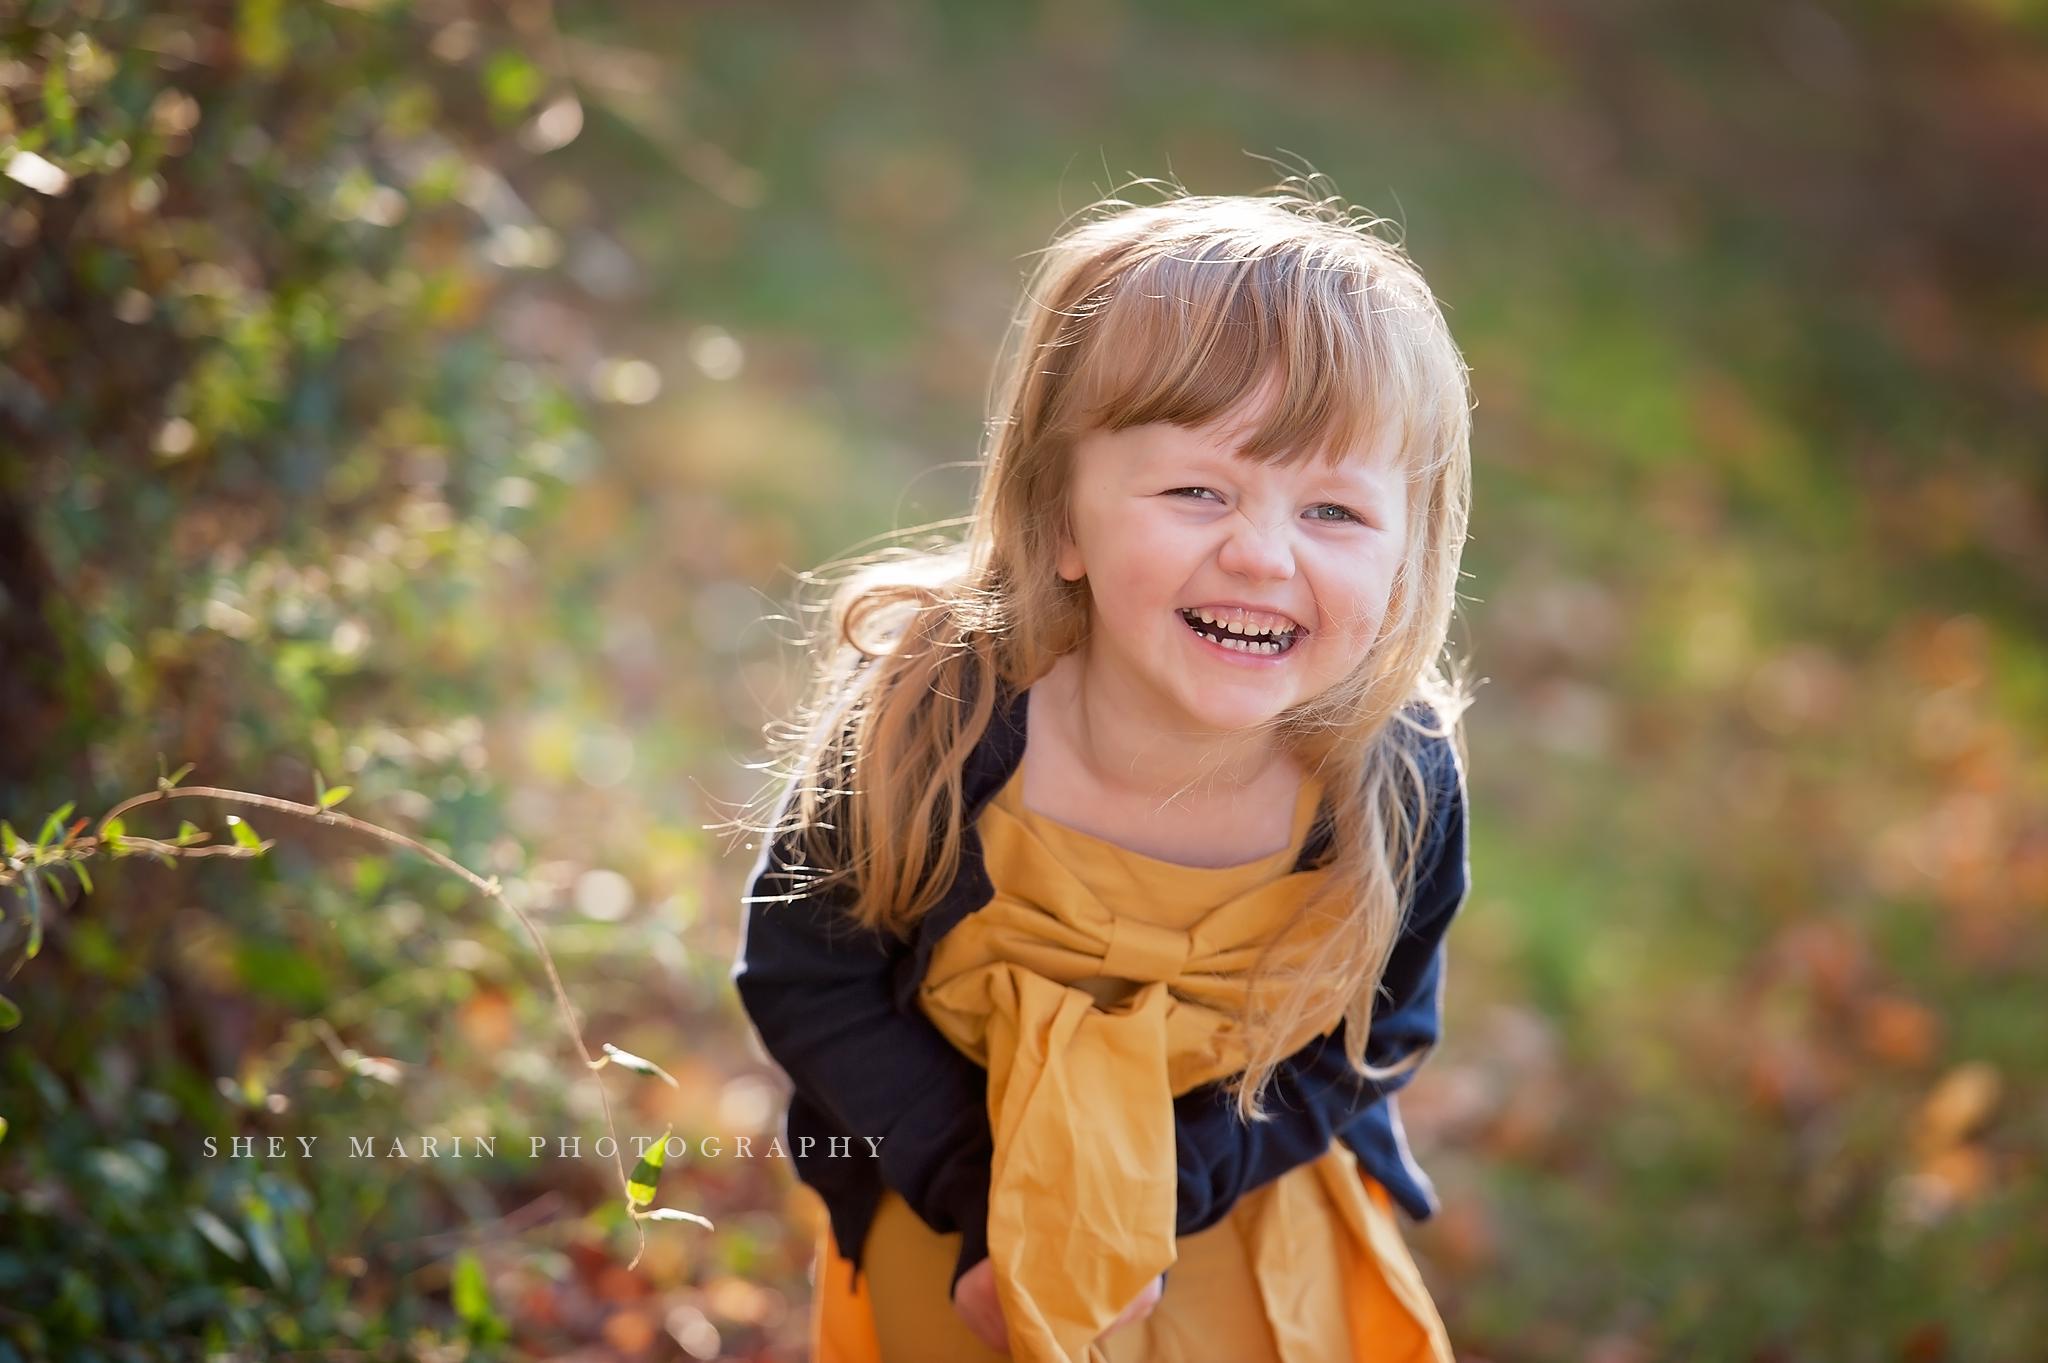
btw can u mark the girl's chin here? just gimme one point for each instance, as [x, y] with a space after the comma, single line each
[1230, 691]
[1231, 709]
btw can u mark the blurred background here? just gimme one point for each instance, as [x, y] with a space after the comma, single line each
[443, 397]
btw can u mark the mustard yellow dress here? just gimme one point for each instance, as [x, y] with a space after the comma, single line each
[1095, 986]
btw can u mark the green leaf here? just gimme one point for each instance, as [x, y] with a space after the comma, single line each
[470, 1295]
[245, 836]
[58, 106]
[218, 1234]
[646, 1175]
[629, 1061]
[3, 1128]
[189, 833]
[115, 830]
[10, 1018]
[53, 827]
[330, 798]
[671, 1214]
[35, 917]
[166, 782]
[9, 839]
[512, 83]
[84, 877]
[260, 34]
[263, 1239]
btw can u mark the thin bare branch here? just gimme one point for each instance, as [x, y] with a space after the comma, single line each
[23, 863]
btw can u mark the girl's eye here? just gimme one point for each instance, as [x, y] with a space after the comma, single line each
[1196, 492]
[1329, 511]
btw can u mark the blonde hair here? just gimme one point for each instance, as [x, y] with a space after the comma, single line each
[1179, 312]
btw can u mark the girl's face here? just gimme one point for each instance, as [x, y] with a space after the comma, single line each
[1228, 590]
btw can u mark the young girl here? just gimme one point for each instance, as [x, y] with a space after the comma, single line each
[1105, 911]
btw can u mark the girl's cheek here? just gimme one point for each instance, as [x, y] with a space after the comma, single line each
[1131, 584]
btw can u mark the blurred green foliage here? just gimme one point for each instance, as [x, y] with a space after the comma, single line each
[436, 397]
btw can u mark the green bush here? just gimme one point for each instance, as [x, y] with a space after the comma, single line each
[276, 479]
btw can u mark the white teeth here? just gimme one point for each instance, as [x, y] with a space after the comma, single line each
[1242, 636]
[1249, 646]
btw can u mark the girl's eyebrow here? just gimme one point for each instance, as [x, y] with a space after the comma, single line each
[1197, 459]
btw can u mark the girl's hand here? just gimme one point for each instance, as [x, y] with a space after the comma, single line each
[1140, 1308]
[974, 1297]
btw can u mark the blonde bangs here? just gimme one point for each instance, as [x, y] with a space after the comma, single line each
[1209, 306]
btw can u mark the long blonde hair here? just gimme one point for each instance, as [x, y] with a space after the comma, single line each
[1177, 312]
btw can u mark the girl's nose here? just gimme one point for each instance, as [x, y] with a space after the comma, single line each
[1255, 552]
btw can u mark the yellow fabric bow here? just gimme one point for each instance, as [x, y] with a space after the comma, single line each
[1090, 1019]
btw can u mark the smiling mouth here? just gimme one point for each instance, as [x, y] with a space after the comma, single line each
[1243, 631]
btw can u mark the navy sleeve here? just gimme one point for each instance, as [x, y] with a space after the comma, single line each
[821, 993]
[1315, 1095]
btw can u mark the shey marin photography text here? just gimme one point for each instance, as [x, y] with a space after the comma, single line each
[422, 1146]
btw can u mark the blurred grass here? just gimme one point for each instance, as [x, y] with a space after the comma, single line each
[1745, 1014]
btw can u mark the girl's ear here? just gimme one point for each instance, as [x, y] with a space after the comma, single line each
[1069, 563]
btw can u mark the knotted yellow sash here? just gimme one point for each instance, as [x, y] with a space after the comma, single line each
[1090, 1017]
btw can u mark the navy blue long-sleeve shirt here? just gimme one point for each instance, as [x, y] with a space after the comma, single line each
[835, 1005]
